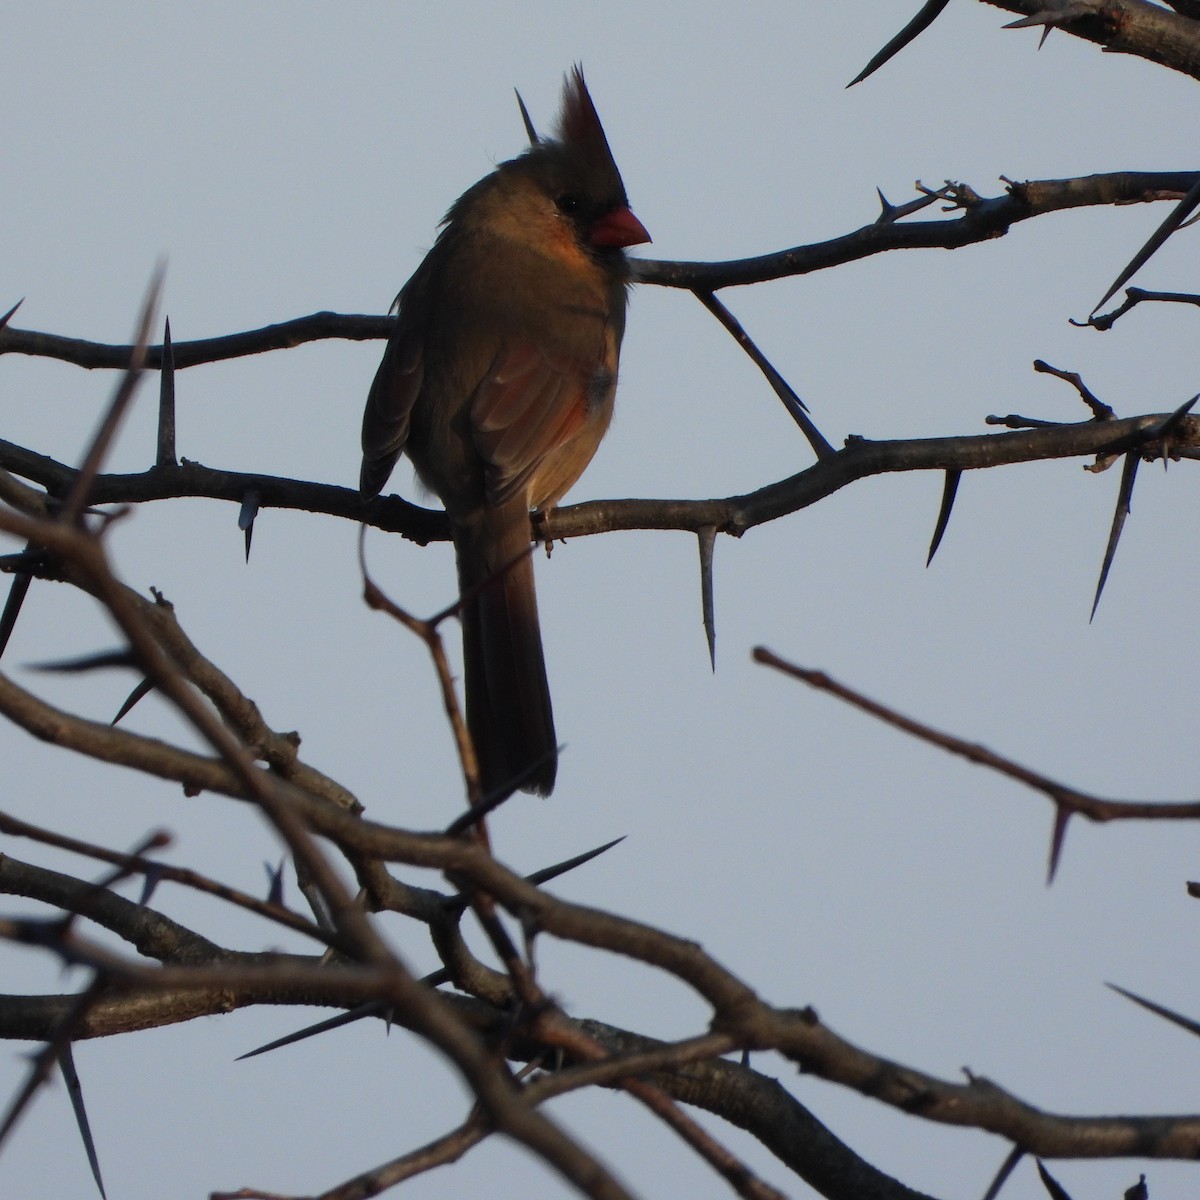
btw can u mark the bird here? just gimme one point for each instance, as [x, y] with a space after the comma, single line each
[498, 382]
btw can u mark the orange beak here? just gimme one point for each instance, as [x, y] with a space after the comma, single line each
[618, 228]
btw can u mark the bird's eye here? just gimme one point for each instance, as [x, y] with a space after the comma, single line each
[567, 203]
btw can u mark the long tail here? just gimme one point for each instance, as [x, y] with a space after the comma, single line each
[508, 699]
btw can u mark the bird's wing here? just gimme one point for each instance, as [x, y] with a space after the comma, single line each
[394, 392]
[534, 405]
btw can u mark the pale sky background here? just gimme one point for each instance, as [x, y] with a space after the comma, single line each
[289, 158]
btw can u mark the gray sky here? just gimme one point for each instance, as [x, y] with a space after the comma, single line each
[286, 159]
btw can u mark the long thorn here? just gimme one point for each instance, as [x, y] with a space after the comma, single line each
[47, 1056]
[12, 606]
[1055, 1189]
[794, 405]
[1128, 475]
[345, 1018]
[1159, 1010]
[4, 320]
[926, 17]
[949, 491]
[548, 873]
[166, 402]
[66, 1064]
[458, 901]
[76, 501]
[530, 132]
[1175, 218]
[706, 538]
[101, 661]
[1011, 1159]
[246, 515]
[141, 690]
[1062, 816]
[498, 796]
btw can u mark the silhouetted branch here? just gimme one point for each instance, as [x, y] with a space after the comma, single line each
[1068, 801]
[977, 219]
[1134, 297]
[1125, 26]
[858, 459]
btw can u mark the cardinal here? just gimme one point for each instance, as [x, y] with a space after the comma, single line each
[498, 382]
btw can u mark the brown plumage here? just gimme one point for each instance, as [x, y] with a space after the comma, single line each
[498, 383]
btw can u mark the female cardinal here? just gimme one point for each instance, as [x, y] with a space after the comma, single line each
[498, 381]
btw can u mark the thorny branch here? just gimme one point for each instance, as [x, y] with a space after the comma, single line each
[501, 1014]
[1136, 27]
[201, 977]
[975, 219]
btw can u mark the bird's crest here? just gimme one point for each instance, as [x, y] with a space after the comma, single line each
[579, 125]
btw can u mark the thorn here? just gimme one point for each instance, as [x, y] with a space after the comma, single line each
[246, 515]
[706, 538]
[1171, 423]
[1166, 431]
[275, 882]
[66, 1064]
[1058, 12]
[1124, 497]
[548, 873]
[949, 491]
[1011, 1159]
[12, 606]
[43, 1060]
[1158, 1010]
[458, 901]
[530, 132]
[166, 401]
[158, 840]
[1056, 1190]
[926, 17]
[143, 689]
[497, 796]
[4, 320]
[89, 662]
[151, 878]
[796, 407]
[1173, 221]
[73, 506]
[370, 1009]
[1062, 815]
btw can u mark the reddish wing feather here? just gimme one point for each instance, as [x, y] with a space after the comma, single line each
[527, 407]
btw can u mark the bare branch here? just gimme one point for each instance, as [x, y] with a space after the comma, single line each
[978, 220]
[1068, 798]
[1125, 26]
